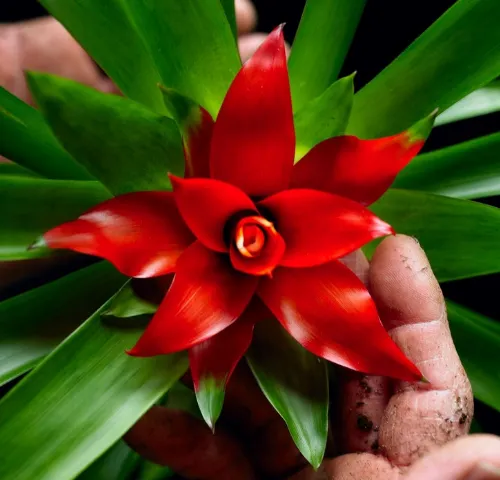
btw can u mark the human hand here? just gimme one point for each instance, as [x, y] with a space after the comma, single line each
[45, 45]
[383, 429]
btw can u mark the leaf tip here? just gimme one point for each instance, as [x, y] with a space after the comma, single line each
[38, 243]
[210, 397]
[422, 129]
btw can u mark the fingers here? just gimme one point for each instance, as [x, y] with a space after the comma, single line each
[363, 398]
[420, 416]
[175, 438]
[246, 16]
[355, 466]
[248, 44]
[44, 45]
[476, 457]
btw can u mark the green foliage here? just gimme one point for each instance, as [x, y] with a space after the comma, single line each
[106, 32]
[31, 206]
[320, 46]
[228, 6]
[123, 144]
[200, 64]
[210, 398]
[324, 117]
[460, 237]
[480, 102]
[70, 412]
[296, 383]
[459, 53]
[467, 170]
[35, 322]
[27, 140]
[79, 401]
[477, 339]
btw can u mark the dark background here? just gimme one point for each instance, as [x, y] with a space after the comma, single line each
[387, 27]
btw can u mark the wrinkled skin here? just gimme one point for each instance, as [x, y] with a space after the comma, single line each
[381, 429]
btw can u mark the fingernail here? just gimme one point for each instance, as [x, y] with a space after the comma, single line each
[484, 471]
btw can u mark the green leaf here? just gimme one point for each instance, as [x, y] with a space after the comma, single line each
[324, 117]
[13, 170]
[123, 144]
[460, 237]
[35, 322]
[480, 102]
[28, 141]
[477, 339]
[459, 53]
[210, 396]
[180, 397]
[118, 463]
[230, 11]
[79, 401]
[152, 471]
[192, 45]
[126, 304]
[183, 110]
[31, 206]
[467, 170]
[107, 34]
[296, 383]
[320, 46]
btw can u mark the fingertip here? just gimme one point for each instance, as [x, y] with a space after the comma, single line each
[402, 283]
[246, 16]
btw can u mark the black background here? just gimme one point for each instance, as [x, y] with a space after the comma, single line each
[387, 27]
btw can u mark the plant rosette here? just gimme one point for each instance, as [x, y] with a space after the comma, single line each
[229, 197]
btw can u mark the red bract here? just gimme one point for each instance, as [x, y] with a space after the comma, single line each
[247, 224]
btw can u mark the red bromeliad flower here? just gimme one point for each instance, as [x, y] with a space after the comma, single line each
[247, 224]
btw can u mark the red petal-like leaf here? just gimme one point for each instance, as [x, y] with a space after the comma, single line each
[319, 227]
[213, 361]
[196, 126]
[141, 233]
[360, 169]
[206, 206]
[328, 310]
[206, 296]
[268, 256]
[253, 142]
[197, 137]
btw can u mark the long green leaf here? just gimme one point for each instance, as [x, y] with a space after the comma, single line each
[320, 46]
[230, 11]
[460, 237]
[13, 170]
[118, 463]
[477, 339]
[30, 206]
[123, 144]
[296, 383]
[192, 45]
[459, 53]
[467, 170]
[324, 117]
[78, 402]
[104, 29]
[480, 102]
[26, 139]
[35, 322]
